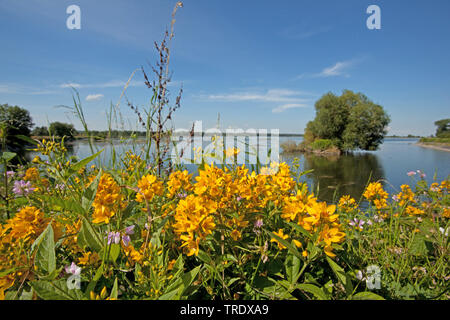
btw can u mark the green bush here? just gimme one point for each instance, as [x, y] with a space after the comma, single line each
[322, 144]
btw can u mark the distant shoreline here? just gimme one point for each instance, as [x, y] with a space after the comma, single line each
[434, 145]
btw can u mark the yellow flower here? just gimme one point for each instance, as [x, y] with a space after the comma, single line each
[89, 258]
[149, 186]
[282, 236]
[32, 174]
[297, 243]
[376, 194]
[235, 235]
[347, 203]
[179, 180]
[107, 200]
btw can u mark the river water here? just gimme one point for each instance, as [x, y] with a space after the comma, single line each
[333, 176]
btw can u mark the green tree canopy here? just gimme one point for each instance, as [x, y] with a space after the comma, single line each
[351, 121]
[60, 129]
[15, 121]
[40, 131]
[443, 127]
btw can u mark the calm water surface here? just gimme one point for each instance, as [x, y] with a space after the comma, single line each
[347, 174]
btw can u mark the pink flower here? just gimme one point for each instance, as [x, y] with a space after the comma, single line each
[411, 173]
[73, 269]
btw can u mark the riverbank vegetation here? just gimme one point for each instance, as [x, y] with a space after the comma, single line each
[143, 227]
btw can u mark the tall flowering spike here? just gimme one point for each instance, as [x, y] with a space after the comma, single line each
[107, 199]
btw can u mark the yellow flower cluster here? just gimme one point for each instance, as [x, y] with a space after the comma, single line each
[32, 174]
[194, 221]
[149, 186]
[376, 194]
[347, 203]
[406, 195]
[46, 147]
[107, 200]
[231, 198]
[16, 237]
[179, 181]
[132, 161]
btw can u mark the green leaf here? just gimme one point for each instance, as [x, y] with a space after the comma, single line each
[114, 252]
[80, 164]
[418, 246]
[367, 295]
[114, 291]
[8, 156]
[176, 289]
[290, 247]
[292, 267]
[6, 272]
[27, 139]
[316, 291]
[301, 230]
[55, 290]
[339, 272]
[90, 192]
[45, 250]
[89, 237]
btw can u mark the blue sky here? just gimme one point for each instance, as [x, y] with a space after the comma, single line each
[260, 64]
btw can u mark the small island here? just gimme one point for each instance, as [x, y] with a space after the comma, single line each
[343, 124]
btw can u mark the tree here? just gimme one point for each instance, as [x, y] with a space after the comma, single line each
[61, 130]
[351, 121]
[16, 121]
[40, 131]
[443, 128]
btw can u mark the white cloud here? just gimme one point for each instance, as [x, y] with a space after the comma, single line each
[285, 107]
[93, 97]
[108, 84]
[272, 95]
[338, 69]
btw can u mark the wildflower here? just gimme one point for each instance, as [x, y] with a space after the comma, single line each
[236, 235]
[411, 173]
[422, 174]
[359, 275]
[444, 231]
[358, 224]
[149, 186]
[107, 199]
[113, 237]
[22, 188]
[376, 194]
[182, 195]
[347, 203]
[435, 187]
[130, 229]
[282, 236]
[377, 218]
[32, 174]
[259, 223]
[297, 243]
[73, 269]
[89, 258]
[395, 198]
[126, 240]
[9, 174]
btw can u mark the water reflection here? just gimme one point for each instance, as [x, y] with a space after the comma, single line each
[347, 174]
